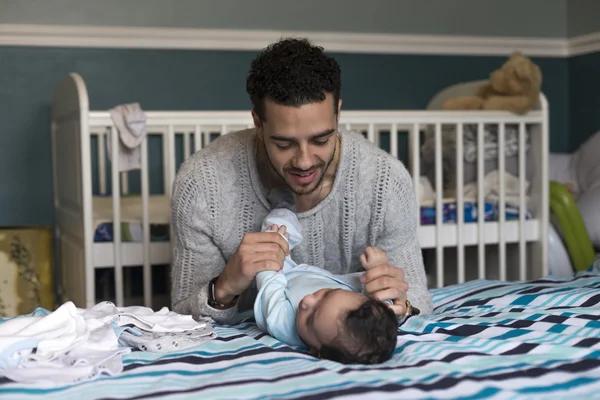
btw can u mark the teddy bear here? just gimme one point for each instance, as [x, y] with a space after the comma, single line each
[514, 87]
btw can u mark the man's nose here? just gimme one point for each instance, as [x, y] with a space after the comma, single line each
[303, 159]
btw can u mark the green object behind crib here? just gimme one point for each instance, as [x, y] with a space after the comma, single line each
[579, 245]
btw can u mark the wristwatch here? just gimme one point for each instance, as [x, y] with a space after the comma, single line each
[212, 301]
[410, 311]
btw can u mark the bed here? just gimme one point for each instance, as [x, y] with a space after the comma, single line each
[485, 340]
[498, 232]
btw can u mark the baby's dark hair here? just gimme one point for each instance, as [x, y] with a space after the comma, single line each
[368, 335]
[293, 72]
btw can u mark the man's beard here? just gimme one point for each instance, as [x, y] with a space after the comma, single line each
[304, 190]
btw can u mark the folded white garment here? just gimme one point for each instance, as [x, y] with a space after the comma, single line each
[73, 344]
[491, 190]
[130, 123]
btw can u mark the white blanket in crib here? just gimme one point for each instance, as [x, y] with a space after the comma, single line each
[491, 190]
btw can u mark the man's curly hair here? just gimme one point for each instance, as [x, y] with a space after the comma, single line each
[368, 335]
[293, 72]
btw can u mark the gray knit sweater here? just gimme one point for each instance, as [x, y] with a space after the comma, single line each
[218, 197]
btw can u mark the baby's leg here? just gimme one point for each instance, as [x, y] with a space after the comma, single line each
[373, 257]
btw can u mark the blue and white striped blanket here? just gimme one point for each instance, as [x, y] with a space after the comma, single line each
[485, 340]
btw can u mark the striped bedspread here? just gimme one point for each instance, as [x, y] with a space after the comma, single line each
[485, 340]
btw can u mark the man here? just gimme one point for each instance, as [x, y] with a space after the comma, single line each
[349, 195]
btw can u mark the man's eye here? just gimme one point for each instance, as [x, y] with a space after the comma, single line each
[322, 141]
[281, 147]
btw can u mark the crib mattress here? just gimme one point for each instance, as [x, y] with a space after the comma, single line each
[159, 209]
[131, 218]
[471, 210]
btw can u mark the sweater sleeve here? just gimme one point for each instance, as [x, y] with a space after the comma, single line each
[196, 257]
[399, 238]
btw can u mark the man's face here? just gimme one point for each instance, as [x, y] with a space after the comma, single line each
[299, 141]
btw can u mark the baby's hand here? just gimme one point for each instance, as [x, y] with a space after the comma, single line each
[372, 257]
[279, 229]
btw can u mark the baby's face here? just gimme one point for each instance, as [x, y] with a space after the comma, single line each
[319, 313]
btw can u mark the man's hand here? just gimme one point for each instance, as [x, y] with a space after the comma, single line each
[384, 281]
[258, 251]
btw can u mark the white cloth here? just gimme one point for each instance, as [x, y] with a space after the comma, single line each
[130, 122]
[491, 190]
[470, 142]
[73, 344]
[490, 142]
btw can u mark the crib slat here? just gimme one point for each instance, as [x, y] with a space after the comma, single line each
[206, 137]
[186, 145]
[171, 165]
[460, 203]
[371, 135]
[481, 199]
[522, 205]
[197, 137]
[166, 156]
[394, 140]
[125, 182]
[502, 200]
[415, 157]
[439, 203]
[102, 162]
[146, 226]
[116, 200]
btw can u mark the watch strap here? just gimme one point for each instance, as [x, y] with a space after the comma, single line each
[212, 301]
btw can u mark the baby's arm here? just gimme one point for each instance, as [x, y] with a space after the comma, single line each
[272, 310]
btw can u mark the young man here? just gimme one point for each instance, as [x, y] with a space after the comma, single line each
[349, 195]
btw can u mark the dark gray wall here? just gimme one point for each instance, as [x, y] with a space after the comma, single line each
[583, 17]
[539, 18]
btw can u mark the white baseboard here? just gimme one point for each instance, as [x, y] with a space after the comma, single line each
[253, 40]
[584, 44]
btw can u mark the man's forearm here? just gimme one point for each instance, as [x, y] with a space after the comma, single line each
[222, 295]
[196, 304]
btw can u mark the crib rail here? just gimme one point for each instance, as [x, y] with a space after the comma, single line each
[402, 134]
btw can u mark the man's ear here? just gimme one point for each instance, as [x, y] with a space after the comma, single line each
[339, 110]
[257, 124]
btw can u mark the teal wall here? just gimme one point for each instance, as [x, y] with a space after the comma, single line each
[584, 75]
[584, 98]
[196, 80]
[536, 18]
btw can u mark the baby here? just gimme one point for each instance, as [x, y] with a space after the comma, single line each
[306, 306]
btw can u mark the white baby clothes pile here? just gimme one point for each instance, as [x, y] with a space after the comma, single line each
[73, 344]
[143, 329]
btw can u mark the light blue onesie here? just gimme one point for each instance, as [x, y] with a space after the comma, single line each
[279, 293]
